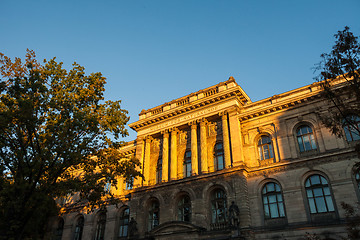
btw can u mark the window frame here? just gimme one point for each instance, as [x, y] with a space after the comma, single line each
[347, 127]
[217, 154]
[325, 197]
[124, 221]
[215, 210]
[187, 164]
[100, 226]
[80, 221]
[312, 139]
[260, 148]
[181, 205]
[153, 210]
[279, 203]
[159, 170]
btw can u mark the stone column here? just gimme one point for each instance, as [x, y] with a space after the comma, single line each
[147, 161]
[139, 154]
[194, 150]
[165, 156]
[173, 156]
[203, 145]
[226, 141]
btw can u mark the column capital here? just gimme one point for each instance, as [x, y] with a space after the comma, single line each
[148, 139]
[139, 139]
[223, 114]
[193, 124]
[165, 132]
[203, 121]
[173, 130]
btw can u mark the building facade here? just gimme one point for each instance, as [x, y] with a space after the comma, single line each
[218, 166]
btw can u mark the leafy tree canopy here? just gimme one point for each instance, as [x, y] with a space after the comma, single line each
[342, 64]
[57, 137]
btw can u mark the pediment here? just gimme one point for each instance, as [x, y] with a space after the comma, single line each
[175, 227]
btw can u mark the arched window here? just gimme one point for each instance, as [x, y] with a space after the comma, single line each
[154, 215]
[219, 156]
[59, 229]
[318, 194]
[79, 228]
[159, 170]
[305, 138]
[218, 206]
[184, 209]
[351, 126]
[100, 226]
[273, 201]
[124, 222]
[187, 164]
[265, 148]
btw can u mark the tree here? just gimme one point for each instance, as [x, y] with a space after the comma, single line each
[342, 66]
[57, 137]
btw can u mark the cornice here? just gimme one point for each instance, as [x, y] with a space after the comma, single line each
[281, 102]
[210, 96]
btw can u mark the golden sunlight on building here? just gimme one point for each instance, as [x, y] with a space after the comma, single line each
[219, 166]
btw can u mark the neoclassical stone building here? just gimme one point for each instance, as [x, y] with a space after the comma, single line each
[219, 166]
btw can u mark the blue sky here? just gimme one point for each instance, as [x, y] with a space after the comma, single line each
[153, 51]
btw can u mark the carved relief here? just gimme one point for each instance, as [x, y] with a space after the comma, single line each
[184, 137]
[215, 128]
[156, 143]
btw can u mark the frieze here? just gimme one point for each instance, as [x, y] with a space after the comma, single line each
[185, 118]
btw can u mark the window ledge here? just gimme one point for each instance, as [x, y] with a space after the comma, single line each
[267, 162]
[323, 217]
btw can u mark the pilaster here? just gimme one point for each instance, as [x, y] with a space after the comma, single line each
[139, 154]
[194, 150]
[236, 139]
[203, 146]
[147, 160]
[173, 155]
[165, 156]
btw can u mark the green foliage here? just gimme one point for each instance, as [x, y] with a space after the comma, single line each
[342, 63]
[352, 219]
[54, 141]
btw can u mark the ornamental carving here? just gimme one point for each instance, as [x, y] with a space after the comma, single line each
[156, 143]
[184, 137]
[215, 128]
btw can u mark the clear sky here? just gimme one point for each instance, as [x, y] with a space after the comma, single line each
[154, 51]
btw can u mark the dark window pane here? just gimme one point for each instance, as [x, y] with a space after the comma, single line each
[318, 192]
[312, 205]
[309, 193]
[315, 179]
[281, 210]
[274, 210]
[272, 198]
[329, 203]
[270, 187]
[320, 204]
